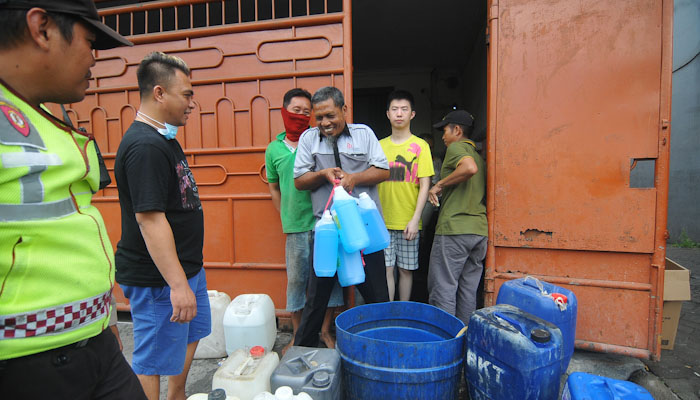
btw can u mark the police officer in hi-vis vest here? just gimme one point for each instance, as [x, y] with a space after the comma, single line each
[56, 260]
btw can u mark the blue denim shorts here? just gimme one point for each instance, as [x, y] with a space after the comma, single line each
[298, 258]
[160, 345]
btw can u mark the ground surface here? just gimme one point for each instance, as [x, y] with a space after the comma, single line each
[676, 376]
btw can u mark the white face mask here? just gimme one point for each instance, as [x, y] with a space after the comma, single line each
[170, 131]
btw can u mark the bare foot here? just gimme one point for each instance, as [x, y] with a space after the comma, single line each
[328, 340]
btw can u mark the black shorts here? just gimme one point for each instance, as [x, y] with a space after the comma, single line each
[92, 369]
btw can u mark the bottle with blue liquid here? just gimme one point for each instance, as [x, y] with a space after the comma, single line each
[374, 224]
[351, 229]
[325, 246]
[350, 268]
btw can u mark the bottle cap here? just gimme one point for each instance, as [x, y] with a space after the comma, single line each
[327, 215]
[217, 394]
[560, 297]
[257, 351]
[365, 201]
[339, 193]
[540, 335]
[284, 393]
[321, 379]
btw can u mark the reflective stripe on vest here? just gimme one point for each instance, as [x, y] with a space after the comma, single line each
[25, 159]
[34, 211]
[48, 321]
[32, 206]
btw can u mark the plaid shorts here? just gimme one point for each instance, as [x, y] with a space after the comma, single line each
[401, 252]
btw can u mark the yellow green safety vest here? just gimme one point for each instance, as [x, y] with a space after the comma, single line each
[56, 260]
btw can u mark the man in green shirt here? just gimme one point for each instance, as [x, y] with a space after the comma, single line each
[459, 248]
[295, 209]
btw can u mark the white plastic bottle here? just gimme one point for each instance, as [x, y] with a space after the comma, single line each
[214, 345]
[245, 374]
[282, 393]
[249, 321]
[216, 394]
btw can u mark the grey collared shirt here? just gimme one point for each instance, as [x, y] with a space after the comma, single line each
[358, 148]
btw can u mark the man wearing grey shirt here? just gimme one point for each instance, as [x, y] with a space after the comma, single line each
[350, 154]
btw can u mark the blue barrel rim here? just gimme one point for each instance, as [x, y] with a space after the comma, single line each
[341, 330]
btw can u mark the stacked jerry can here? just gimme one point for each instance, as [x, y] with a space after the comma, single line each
[519, 348]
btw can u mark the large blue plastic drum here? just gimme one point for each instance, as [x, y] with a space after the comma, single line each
[399, 350]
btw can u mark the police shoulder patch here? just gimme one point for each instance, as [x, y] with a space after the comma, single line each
[15, 118]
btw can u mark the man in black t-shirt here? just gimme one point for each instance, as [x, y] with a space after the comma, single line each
[159, 256]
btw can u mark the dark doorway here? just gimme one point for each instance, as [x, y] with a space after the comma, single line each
[370, 109]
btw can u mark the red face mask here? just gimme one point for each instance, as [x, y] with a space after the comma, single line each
[294, 124]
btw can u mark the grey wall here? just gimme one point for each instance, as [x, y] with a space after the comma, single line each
[684, 191]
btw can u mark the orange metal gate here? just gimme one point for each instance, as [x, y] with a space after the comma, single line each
[242, 62]
[577, 92]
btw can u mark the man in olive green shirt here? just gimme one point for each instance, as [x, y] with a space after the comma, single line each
[459, 248]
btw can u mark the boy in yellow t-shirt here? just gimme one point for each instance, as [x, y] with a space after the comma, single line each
[403, 196]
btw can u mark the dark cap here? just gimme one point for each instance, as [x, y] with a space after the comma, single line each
[460, 117]
[85, 10]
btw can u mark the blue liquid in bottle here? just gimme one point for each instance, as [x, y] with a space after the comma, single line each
[374, 224]
[350, 269]
[351, 228]
[325, 246]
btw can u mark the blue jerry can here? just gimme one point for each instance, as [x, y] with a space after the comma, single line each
[550, 302]
[512, 355]
[583, 386]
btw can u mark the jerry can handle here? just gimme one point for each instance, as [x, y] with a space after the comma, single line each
[516, 325]
[305, 359]
[611, 388]
[537, 284]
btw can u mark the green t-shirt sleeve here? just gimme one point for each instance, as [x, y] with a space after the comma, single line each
[271, 170]
[457, 151]
[425, 160]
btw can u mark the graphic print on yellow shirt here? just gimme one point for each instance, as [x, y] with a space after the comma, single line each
[408, 162]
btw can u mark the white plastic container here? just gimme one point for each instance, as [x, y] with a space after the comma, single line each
[214, 345]
[249, 321]
[214, 395]
[246, 373]
[282, 393]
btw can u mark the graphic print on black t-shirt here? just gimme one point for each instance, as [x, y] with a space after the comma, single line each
[189, 194]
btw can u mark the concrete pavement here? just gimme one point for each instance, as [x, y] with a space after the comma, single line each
[679, 368]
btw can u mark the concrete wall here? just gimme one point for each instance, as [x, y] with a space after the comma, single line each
[684, 191]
